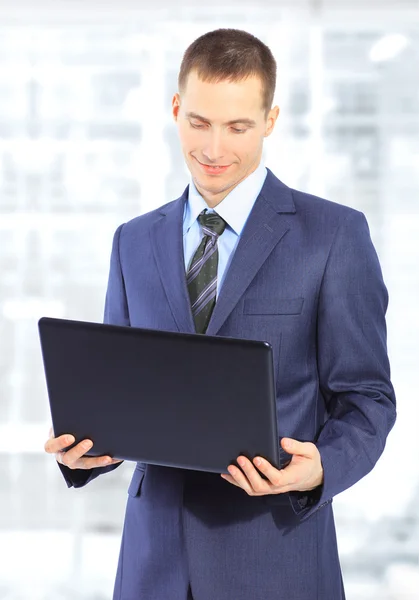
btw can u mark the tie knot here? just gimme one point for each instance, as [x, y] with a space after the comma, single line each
[211, 223]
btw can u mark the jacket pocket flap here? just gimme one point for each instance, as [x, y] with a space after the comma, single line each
[136, 481]
[273, 306]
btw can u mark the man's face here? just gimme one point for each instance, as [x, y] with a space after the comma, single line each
[221, 125]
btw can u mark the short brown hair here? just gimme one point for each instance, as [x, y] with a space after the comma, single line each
[230, 54]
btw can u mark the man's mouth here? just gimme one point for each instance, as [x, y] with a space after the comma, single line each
[213, 169]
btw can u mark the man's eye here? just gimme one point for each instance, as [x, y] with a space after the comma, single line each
[238, 130]
[195, 126]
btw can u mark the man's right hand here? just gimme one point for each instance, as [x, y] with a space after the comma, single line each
[75, 458]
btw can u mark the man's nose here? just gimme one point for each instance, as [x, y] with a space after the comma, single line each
[214, 150]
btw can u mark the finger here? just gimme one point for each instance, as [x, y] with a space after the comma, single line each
[60, 457]
[287, 479]
[275, 476]
[77, 452]
[98, 461]
[291, 477]
[54, 445]
[230, 479]
[258, 484]
[291, 446]
[88, 462]
[240, 479]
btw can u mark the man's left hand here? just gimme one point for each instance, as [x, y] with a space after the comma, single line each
[304, 472]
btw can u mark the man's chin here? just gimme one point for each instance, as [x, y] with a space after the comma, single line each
[215, 188]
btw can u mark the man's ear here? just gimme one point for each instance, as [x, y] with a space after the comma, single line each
[271, 120]
[176, 106]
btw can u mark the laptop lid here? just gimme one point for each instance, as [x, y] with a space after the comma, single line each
[175, 399]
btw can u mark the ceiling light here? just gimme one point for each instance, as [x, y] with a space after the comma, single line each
[388, 47]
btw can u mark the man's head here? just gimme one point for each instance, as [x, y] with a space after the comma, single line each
[223, 109]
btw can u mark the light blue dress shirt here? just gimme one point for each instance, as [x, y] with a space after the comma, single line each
[234, 209]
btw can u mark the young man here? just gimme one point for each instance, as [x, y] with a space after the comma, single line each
[292, 269]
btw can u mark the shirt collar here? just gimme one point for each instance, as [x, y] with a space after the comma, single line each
[235, 208]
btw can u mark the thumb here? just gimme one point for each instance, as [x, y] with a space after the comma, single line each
[295, 447]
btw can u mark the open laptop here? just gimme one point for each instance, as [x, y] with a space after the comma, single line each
[175, 399]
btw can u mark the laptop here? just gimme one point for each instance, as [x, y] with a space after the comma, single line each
[182, 400]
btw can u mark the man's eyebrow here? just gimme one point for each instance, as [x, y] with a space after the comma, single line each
[244, 121]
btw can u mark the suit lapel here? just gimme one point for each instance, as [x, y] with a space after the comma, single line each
[264, 229]
[167, 242]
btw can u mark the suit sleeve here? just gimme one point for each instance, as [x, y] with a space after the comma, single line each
[353, 366]
[116, 313]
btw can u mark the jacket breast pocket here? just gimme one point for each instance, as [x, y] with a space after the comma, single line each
[273, 306]
[137, 480]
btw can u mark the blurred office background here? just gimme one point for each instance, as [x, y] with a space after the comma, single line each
[87, 142]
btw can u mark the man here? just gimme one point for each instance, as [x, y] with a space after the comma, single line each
[292, 269]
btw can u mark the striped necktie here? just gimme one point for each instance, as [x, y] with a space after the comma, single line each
[202, 275]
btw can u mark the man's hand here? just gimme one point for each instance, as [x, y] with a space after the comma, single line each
[74, 458]
[304, 472]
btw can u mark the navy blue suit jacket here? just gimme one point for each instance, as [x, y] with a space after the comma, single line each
[305, 277]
